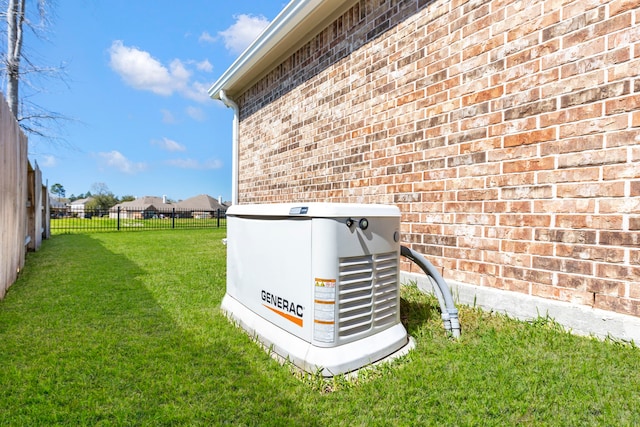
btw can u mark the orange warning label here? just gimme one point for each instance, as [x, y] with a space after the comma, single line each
[324, 314]
[325, 283]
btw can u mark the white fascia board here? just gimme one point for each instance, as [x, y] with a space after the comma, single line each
[287, 31]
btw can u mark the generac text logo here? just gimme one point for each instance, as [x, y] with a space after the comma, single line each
[288, 309]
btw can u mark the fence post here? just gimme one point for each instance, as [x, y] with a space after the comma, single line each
[218, 217]
[118, 222]
[173, 217]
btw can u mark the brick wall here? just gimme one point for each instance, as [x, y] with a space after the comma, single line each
[508, 132]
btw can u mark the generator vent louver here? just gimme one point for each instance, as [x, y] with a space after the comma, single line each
[367, 294]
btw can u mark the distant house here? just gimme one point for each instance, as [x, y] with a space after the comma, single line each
[78, 207]
[58, 208]
[143, 208]
[201, 206]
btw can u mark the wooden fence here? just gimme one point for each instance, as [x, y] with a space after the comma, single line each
[24, 201]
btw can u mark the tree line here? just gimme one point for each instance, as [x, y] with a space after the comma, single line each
[101, 197]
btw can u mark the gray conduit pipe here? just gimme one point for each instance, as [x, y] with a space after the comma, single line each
[448, 309]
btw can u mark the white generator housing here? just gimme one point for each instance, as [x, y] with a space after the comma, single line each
[318, 283]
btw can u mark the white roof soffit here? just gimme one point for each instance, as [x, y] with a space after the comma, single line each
[294, 26]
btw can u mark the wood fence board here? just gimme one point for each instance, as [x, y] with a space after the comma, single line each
[15, 229]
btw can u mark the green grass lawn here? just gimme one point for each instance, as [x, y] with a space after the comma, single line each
[125, 329]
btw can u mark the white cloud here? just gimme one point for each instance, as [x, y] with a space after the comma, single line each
[116, 160]
[195, 164]
[244, 31]
[205, 66]
[168, 145]
[197, 92]
[196, 114]
[142, 71]
[206, 37]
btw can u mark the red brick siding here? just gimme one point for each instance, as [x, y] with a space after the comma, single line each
[507, 132]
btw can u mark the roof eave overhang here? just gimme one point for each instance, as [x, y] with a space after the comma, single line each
[295, 25]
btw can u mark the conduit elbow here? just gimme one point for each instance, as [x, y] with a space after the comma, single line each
[448, 310]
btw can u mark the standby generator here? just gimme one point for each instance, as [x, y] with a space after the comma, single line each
[317, 283]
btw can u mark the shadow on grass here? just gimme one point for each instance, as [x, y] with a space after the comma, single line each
[84, 341]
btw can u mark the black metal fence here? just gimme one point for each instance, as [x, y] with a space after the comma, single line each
[118, 219]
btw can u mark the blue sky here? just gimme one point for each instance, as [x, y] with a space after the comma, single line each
[137, 73]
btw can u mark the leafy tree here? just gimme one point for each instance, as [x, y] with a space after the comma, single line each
[103, 199]
[58, 190]
[102, 202]
[127, 198]
[83, 196]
